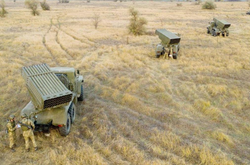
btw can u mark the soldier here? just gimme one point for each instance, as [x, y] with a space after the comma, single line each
[11, 128]
[27, 127]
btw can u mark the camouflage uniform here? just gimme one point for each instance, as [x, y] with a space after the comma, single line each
[11, 127]
[28, 132]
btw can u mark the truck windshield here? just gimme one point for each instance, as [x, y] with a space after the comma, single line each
[64, 79]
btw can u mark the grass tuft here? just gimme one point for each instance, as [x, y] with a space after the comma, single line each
[208, 110]
[209, 5]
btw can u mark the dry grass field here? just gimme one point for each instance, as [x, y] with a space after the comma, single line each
[138, 110]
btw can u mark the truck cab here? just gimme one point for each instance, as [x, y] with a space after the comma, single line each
[71, 78]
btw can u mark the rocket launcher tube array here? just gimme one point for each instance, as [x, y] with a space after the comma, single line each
[221, 23]
[45, 88]
[167, 37]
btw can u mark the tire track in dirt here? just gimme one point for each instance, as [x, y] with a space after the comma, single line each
[90, 144]
[58, 27]
[135, 112]
[89, 42]
[152, 119]
[244, 80]
[85, 40]
[45, 44]
[140, 124]
[119, 145]
[99, 140]
[142, 141]
[146, 145]
[149, 103]
[172, 67]
[99, 137]
[113, 158]
[148, 62]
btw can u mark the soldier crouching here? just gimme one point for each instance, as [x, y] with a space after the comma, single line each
[27, 127]
[11, 128]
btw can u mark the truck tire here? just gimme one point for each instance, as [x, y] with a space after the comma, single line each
[208, 31]
[64, 130]
[72, 113]
[157, 56]
[214, 33]
[162, 53]
[81, 98]
[175, 56]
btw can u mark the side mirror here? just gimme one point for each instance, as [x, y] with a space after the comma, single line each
[71, 86]
[78, 72]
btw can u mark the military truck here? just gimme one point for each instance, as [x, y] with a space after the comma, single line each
[54, 95]
[218, 27]
[170, 43]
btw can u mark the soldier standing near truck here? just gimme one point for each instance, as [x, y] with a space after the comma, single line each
[11, 129]
[27, 127]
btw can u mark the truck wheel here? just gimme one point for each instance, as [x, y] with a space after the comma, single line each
[223, 34]
[227, 34]
[64, 130]
[208, 31]
[174, 56]
[81, 98]
[214, 33]
[163, 52]
[72, 113]
[157, 56]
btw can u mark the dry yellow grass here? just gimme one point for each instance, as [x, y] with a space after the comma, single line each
[137, 109]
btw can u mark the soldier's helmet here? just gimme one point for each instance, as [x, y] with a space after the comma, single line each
[23, 115]
[12, 117]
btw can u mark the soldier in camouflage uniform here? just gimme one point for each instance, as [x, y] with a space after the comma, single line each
[27, 127]
[11, 128]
